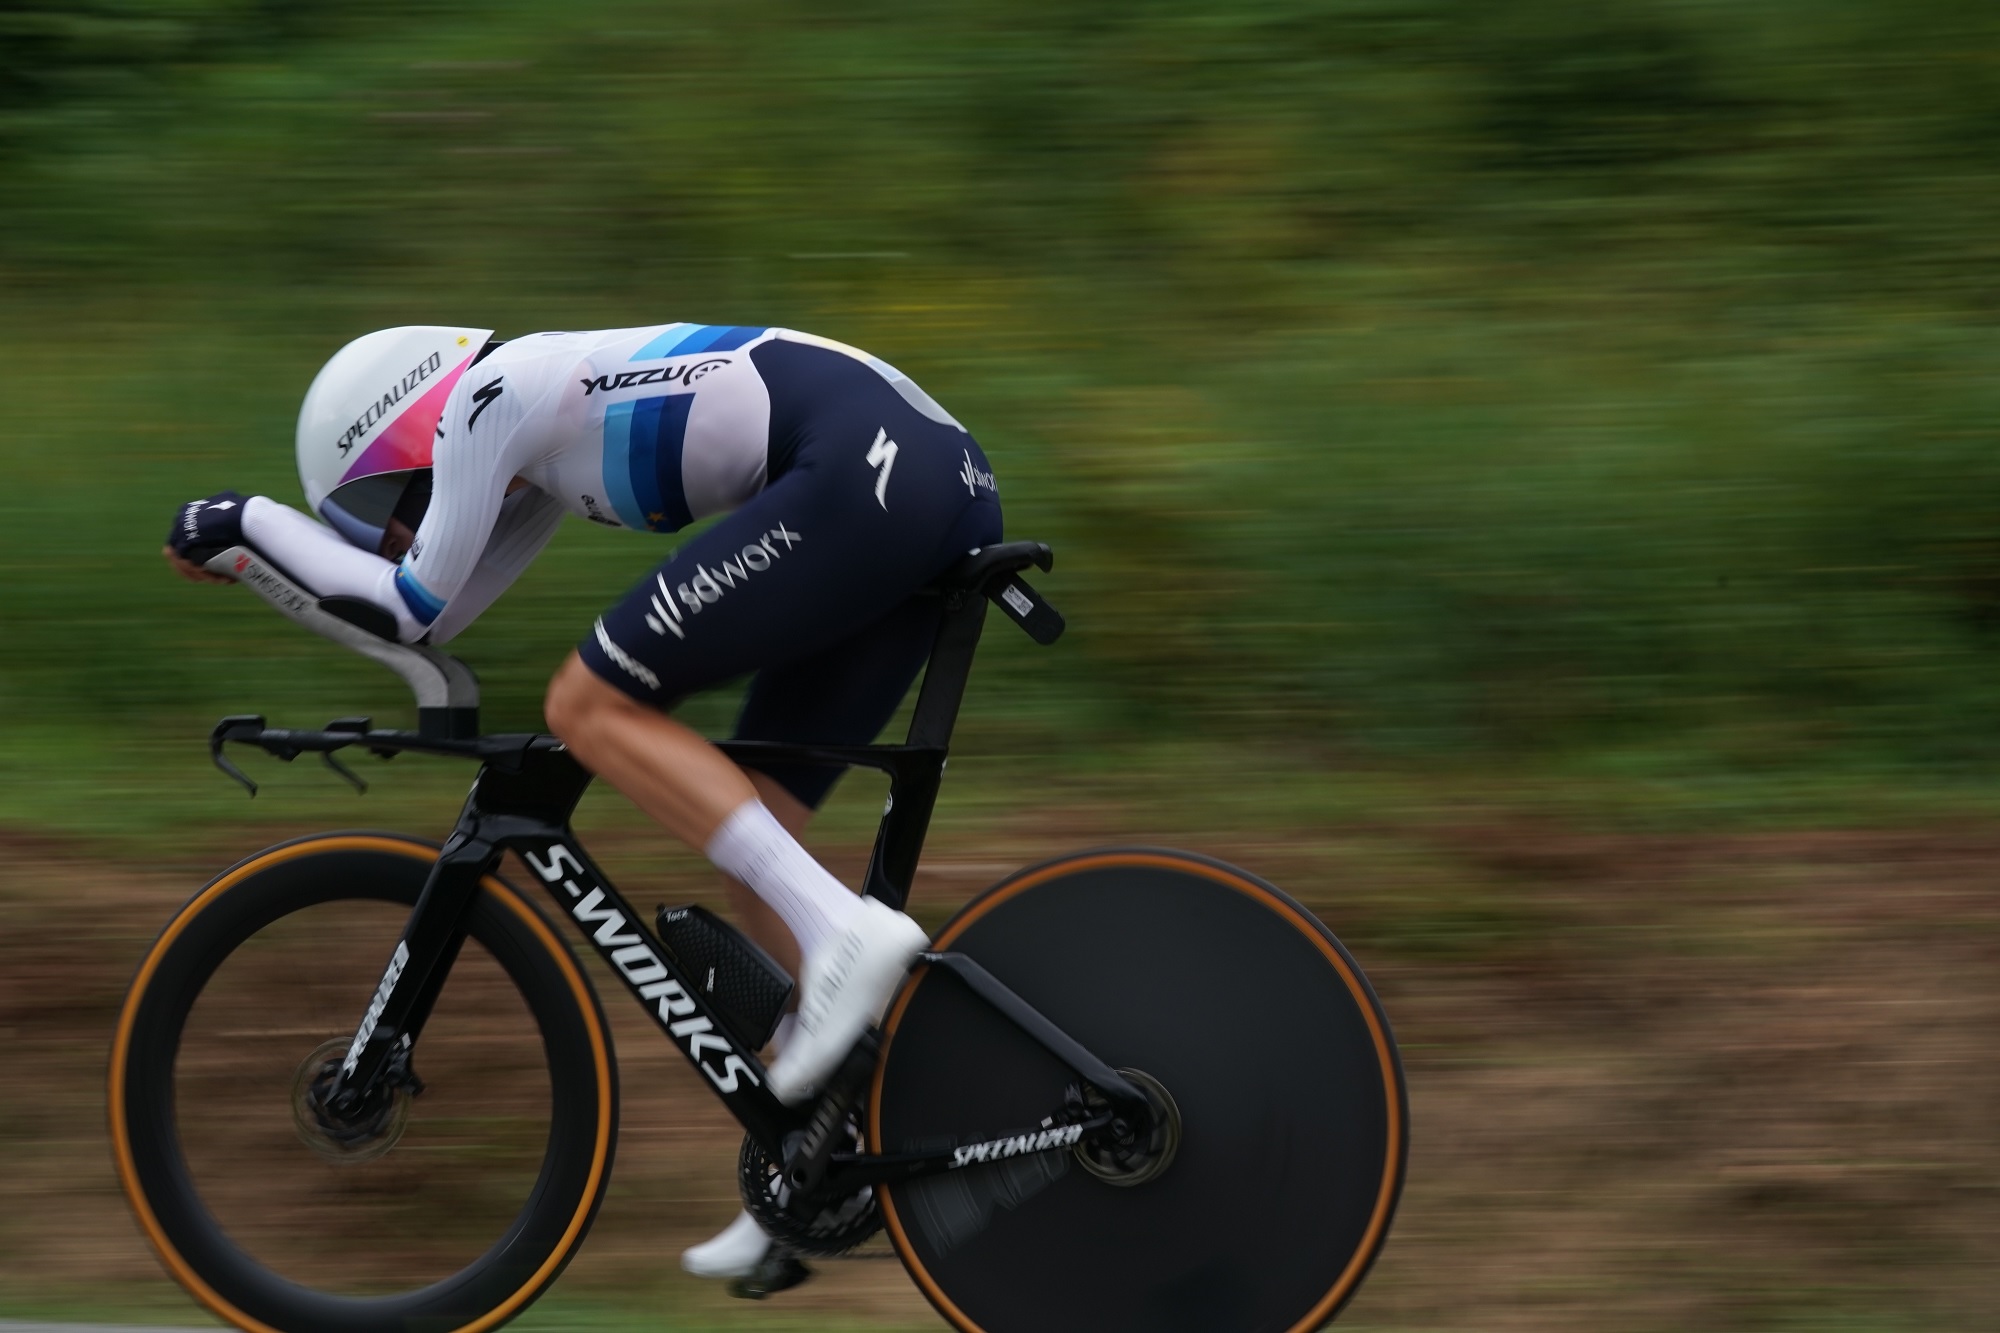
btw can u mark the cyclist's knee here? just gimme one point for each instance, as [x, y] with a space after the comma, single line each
[575, 698]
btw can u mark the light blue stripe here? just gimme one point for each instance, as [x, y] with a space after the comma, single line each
[701, 339]
[733, 337]
[618, 466]
[423, 603]
[687, 339]
[664, 342]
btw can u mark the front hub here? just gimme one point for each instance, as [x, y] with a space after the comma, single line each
[362, 1134]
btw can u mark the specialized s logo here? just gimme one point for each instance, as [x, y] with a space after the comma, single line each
[627, 951]
[485, 396]
[882, 454]
[707, 586]
[685, 373]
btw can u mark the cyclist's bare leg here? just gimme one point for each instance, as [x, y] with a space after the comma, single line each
[673, 774]
[662, 766]
[690, 787]
[855, 950]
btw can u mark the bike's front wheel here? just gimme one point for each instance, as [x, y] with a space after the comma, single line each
[456, 1199]
[1264, 1200]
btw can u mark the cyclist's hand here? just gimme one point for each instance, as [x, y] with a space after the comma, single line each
[201, 528]
[189, 570]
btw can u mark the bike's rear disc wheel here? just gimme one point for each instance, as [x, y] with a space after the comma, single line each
[1257, 1023]
[488, 1189]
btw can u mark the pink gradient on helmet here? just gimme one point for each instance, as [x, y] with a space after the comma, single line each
[409, 439]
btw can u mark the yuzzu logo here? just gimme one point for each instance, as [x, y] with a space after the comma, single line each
[626, 950]
[687, 372]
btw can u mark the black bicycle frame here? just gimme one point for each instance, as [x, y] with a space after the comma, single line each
[527, 789]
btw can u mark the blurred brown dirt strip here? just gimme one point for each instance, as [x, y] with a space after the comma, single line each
[1657, 1083]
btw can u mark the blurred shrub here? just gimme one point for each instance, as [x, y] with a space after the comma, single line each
[1536, 382]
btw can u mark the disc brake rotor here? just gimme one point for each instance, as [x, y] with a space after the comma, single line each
[363, 1137]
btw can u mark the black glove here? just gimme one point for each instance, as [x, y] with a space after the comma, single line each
[204, 527]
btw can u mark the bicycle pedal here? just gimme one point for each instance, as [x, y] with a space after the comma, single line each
[746, 986]
[778, 1272]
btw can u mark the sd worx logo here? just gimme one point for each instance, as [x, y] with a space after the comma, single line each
[685, 373]
[707, 586]
[974, 479]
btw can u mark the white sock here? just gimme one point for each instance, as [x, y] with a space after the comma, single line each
[753, 847]
[782, 1034]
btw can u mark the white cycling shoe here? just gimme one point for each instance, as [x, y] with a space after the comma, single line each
[846, 986]
[735, 1252]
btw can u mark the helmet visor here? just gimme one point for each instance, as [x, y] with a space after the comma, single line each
[361, 510]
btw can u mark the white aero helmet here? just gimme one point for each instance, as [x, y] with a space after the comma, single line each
[371, 418]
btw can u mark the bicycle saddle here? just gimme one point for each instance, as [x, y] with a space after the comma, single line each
[981, 564]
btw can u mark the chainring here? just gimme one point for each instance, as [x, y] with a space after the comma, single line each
[834, 1230]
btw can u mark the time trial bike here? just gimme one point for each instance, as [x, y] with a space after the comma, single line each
[1128, 1089]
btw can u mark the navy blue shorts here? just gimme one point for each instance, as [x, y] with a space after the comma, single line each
[810, 584]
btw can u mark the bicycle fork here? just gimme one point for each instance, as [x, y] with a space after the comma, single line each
[527, 810]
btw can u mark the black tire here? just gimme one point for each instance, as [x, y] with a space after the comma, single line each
[1263, 1031]
[529, 1001]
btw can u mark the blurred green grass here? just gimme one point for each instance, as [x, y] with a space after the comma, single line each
[1583, 410]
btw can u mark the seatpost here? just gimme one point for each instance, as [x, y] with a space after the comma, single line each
[913, 784]
[950, 668]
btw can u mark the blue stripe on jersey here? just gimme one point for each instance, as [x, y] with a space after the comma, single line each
[686, 339]
[617, 472]
[730, 338]
[642, 462]
[423, 603]
[659, 431]
[663, 343]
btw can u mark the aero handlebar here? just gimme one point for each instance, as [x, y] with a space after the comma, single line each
[447, 693]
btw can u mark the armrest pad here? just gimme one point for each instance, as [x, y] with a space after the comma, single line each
[362, 614]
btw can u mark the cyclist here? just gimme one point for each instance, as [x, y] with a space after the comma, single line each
[441, 462]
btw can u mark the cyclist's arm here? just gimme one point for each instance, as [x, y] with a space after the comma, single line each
[528, 518]
[467, 528]
[318, 557]
[484, 442]
[329, 567]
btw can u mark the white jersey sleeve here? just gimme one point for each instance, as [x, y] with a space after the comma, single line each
[491, 432]
[528, 518]
[474, 540]
[321, 559]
